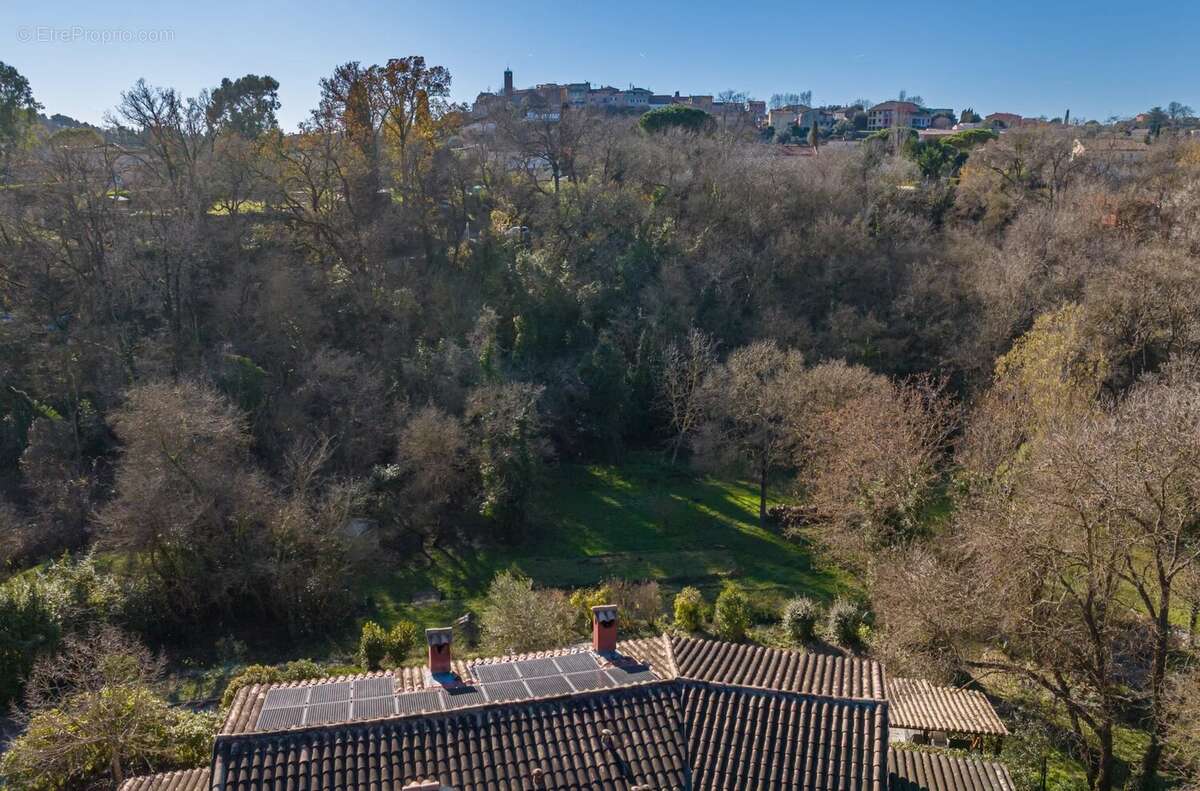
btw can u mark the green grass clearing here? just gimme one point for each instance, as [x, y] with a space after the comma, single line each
[644, 520]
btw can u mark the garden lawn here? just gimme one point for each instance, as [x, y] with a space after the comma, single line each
[642, 520]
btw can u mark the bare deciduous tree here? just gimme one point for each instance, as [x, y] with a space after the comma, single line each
[1066, 562]
[874, 461]
[684, 370]
[188, 507]
[546, 139]
[1183, 721]
[753, 401]
[434, 455]
[1145, 476]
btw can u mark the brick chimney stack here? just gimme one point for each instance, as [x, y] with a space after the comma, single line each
[604, 629]
[439, 649]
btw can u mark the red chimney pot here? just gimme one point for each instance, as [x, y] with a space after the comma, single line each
[604, 629]
[439, 649]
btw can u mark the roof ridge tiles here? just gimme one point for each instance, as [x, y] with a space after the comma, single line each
[551, 653]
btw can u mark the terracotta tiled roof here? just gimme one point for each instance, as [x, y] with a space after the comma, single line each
[907, 769]
[920, 770]
[776, 668]
[717, 716]
[186, 780]
[919, 705]
[666, 735]
[654, 651]
[896, 105]
[492, 748]
[757, 739]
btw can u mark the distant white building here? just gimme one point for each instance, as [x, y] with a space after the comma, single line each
[885, 115]
[782, 118]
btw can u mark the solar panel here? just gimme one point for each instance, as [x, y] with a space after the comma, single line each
[374, 708]
[549, 685]
[458, 697]
[285, 697]
[417, 702]
[323, 713]
[278, 719]
[635, 674]
[376, 687]
[328, 693]
[506, 690]
[572, 663]
[536, 668]
[590, 679]
[498, 672]
[374, 698]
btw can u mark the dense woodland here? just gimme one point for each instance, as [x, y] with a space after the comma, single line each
[225, 347]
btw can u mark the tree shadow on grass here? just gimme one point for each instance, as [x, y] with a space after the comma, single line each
[647, 511]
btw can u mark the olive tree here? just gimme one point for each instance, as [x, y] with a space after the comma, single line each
[519, 617]
[91, 717]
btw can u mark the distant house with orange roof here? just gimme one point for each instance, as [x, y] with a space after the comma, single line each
[1007, 120]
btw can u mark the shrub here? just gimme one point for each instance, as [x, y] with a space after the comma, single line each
[732, 616]
[800, 616]
[40, 607]
[518, 618]
[583, 600]
[298, 670]
[372, 645]
[400, 640]
[689, 609]
[790, 518]
[82, 594]
[29, 628]
[252, 674]
[638, 603]
[845, 620]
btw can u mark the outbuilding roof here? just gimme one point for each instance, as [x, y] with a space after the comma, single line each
[919, 705]
[185, 780]
[924, 770]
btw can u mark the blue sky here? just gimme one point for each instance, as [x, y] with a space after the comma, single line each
[1098, 58]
